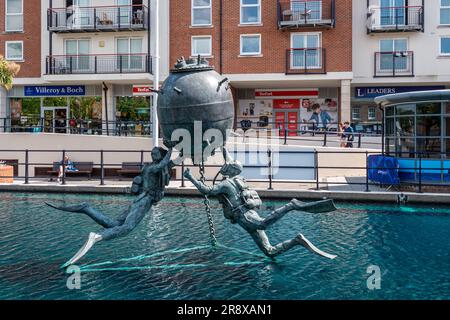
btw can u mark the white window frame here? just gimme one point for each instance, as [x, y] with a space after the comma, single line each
[440, 10]
[6, 51]
[201, 7]
[13, 14]
[444, 54]
[242, 6]
[353, 113]
[319, 34]
[203, 37]
[393, 41]
[368, 113]
[250, 53]
[129, 53]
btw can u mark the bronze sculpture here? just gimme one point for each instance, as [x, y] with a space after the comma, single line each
[240, 203]
[149, 188]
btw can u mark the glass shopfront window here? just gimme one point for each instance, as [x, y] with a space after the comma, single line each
[418, 130]
[133, 115]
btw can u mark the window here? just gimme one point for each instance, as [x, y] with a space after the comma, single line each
[306, 51]
[14, 15]
[372, 113]
[14, 50]
[250, 44]
[445, 12]
[201, 12]
[201, 45]
[445, 46]
[356, 113]
[130, 55]
[392, 12]
[77, 54]
[394, 55]
[250, 11]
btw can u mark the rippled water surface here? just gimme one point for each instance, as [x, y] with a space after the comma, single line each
[168, 257]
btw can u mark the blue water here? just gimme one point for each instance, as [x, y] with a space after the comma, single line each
[168, 256]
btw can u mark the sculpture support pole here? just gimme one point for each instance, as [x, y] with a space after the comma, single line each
[155, 122]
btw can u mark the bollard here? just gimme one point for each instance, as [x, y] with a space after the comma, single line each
[359, 140]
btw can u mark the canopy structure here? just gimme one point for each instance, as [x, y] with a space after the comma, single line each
[412, 97]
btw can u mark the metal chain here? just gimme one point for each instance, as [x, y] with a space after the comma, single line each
[212, 229]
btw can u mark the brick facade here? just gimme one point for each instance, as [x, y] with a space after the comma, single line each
[31, 37]
[274, 42]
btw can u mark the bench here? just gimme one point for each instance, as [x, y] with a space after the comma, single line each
[130, 168]
[84, 168]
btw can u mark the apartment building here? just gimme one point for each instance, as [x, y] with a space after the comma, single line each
[81, 62]
[399, 46]
[284, 58]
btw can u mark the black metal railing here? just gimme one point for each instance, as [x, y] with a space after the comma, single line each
[394, 64]
[306, 61]
[101, 18]
[393, 19]
[306, 133]
[77, 126]
[306, 13]
[99, 64]
[105, 168]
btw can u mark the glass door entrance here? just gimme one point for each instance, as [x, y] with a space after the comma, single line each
[55, 119]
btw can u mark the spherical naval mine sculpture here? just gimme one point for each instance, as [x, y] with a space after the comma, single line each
[195, 98]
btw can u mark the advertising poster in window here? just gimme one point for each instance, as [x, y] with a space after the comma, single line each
[322, 112]
[259, 112]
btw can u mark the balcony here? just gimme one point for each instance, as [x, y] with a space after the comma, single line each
[306, 61]
[97, 19]
[99, 64]
[395, 19]
[394, 64]
[297, 14]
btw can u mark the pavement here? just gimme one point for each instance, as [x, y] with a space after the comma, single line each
[337, 188]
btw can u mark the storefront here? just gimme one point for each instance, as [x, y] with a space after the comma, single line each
[79, 109]
[365, 115]
[294, 111]
[417, 133]
[55, 109]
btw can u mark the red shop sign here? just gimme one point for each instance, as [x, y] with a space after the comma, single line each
[286, 104]
[142, 90]
[287, 93]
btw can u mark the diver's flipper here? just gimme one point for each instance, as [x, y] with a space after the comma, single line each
[308, 245]
[315, 207]
[93, 239]
[80, 208]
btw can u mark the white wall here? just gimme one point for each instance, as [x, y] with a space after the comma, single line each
[429, 67]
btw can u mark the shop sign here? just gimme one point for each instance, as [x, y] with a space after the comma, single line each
[142, 91]
[54, 91]
[286, 104]
[373, 92]
[287, 93]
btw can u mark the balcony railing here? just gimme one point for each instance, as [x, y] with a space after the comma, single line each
[394, 64]
[99, 64]
[394, 19]
[306, 61]
[296, 14]
[95, 19]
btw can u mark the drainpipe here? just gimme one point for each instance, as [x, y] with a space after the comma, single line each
[221, 36]
[50, 40]
[105, 90]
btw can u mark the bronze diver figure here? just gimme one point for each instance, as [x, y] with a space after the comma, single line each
[240, 204]
[149, 186]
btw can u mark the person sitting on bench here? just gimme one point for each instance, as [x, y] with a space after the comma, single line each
[67, 166]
